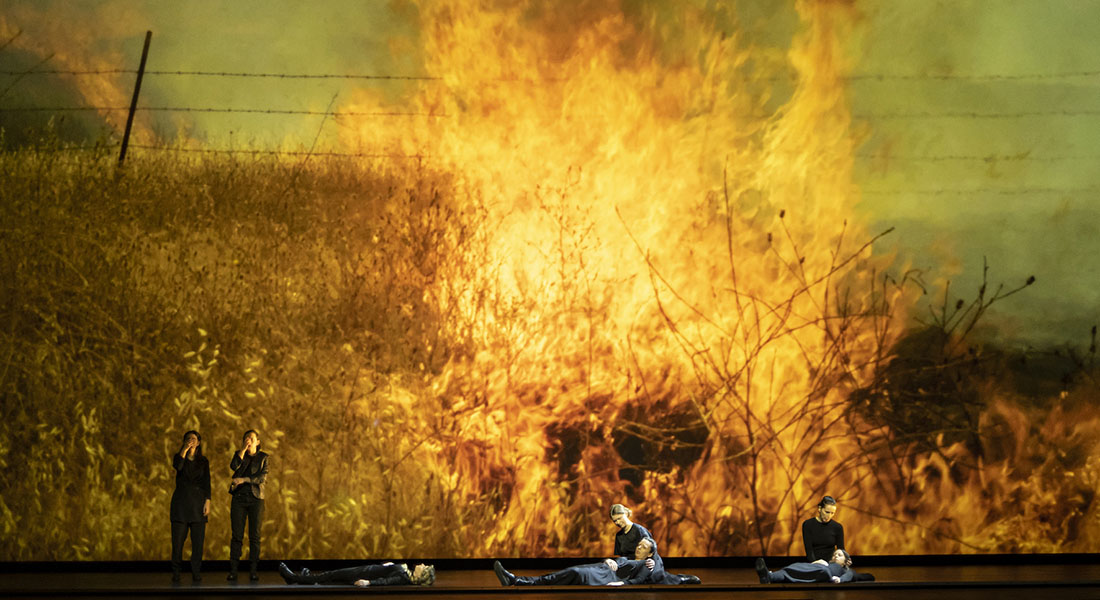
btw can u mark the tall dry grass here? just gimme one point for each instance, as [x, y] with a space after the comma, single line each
[219, 295]
[316, 301]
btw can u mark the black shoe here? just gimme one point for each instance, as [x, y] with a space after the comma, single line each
[254, 576]
[232, 576]
[762, 571]
[288, 575]
[506, 578]
[689, 579]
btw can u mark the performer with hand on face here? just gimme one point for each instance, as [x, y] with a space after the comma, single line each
[190, 503]
[249, 467]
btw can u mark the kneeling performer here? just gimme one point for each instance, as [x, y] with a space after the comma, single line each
[608, 572]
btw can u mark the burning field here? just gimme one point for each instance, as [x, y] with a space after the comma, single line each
[623, 265]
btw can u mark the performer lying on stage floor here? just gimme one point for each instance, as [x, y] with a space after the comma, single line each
[626, 541]
[838, 570]
[366, 575]
[608, 572]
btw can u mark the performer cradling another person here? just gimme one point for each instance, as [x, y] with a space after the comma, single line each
[822, 535]
[837, 570]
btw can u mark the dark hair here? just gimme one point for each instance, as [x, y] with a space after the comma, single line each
[257, 437]
[847, 557]
[198, 448]
[619, 509]
[826, 500]
[652, 544]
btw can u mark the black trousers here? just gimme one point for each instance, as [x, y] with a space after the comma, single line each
[591, 574]
[349, 575]
[179, 534]
[244, 507]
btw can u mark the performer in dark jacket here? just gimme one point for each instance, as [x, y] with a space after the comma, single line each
[190, 503]
[249, 467]
[626, 541]
[821, 535]
[657, 574]
[364, 576]
[608, 572]
[837, 570]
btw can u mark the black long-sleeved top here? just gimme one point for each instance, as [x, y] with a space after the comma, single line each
[252, 466]
[822, 539]
[626, 543]
[192, 489]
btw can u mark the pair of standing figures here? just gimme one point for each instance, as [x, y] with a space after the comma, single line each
[190, 508]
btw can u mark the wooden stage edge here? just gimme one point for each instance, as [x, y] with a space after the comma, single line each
[1078, 577]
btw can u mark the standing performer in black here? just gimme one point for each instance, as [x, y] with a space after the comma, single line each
[190, 503]
[249, 466]
[821, 534]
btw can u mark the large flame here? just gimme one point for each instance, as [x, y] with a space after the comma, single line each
[666, 264]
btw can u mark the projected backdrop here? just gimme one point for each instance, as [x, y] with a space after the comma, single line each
[514, 262]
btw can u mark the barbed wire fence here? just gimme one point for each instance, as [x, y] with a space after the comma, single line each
[917, 115]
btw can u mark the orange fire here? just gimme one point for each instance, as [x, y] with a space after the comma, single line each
[665, 264]
[61, 47]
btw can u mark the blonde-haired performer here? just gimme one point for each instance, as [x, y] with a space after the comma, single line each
[627, 539]
[629, 534]
[365, 576]
[608, 572]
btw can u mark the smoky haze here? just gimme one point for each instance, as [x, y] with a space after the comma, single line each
[981, 134]
[332, 37]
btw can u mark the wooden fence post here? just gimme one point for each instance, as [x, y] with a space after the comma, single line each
[133, 102]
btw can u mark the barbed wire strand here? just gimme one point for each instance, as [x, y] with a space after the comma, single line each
[872, 77]
[990, 158]
[270, 111]
[253, 152]
[1024, 191]
[191, 109]
[975, 191]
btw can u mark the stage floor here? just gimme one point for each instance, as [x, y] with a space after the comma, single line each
[992, 582]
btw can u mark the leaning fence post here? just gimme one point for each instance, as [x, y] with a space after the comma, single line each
[133, 102]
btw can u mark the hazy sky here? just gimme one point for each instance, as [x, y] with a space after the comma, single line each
[988, 121]
[982, 117]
